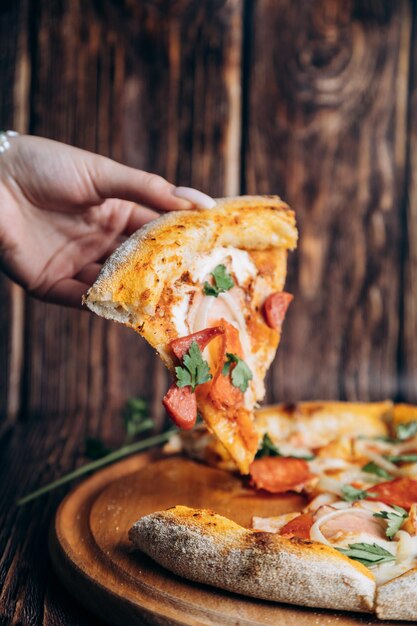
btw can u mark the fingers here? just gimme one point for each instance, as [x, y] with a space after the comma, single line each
[114, 180]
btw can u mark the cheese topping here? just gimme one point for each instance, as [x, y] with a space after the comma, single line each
[237, 261]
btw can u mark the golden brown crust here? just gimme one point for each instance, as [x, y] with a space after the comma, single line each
[211, 549]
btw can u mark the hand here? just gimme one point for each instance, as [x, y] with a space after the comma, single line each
[64, 210]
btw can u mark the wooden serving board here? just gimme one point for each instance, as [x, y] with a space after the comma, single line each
[92, 554]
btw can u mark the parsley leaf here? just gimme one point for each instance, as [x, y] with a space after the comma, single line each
[195, 370]
[241, 374]
[351, 494]
[136, 418]
[406, 430]
[268, 448]
[373, 468]
[367, 554]
[222, 282]
[394, 519]
[403, 458]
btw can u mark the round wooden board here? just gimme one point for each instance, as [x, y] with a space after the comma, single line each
[92, 554]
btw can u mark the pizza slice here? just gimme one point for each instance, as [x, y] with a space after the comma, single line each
[352, 545]
[205, 289]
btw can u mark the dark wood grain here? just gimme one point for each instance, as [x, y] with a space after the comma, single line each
[408, 319]
[326, 127]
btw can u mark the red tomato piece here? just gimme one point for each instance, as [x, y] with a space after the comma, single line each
[181, 406]
[400, 491]
[181, 345]
[279, 474]
[275, 308]
[299, 526]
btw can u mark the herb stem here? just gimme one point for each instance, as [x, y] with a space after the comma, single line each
[106, 460]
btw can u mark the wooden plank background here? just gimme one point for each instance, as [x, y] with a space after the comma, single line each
[311, 100]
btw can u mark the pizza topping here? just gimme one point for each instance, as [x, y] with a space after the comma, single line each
[275, 308]
[336, 526]
[239, 261]
[401, 492]
[279, 474]
[402, 458]
[406, 430]
[298, 527]
[222, 281]
[382, 463]
[410, 524]
[373, 468]
[202, 338]
[351, 494]
[223, 393]
[368, 554]
[181, 406]
[180, 400]
[240, 373]
[195, 370]
[394, 519]
[268, 448]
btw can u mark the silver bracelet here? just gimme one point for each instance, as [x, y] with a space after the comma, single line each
[4, 139]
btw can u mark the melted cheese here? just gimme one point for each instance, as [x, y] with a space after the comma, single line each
[237, 261]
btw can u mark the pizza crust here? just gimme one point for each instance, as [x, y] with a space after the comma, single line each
[397, 599]
[208, 548]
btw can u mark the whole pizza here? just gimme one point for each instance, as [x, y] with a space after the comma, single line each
[205, 289]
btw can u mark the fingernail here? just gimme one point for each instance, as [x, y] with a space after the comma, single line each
[198, 198]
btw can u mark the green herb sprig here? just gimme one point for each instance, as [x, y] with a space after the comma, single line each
[240, 373]
[402, 458]
[373, 468]
[136, 421]
[351, 494]
[222, 281]
[394, 519]
[406, 430]
[368, 554]
[268, 448]
[194, 371]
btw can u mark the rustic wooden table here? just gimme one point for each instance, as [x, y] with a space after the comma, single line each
[310, 100]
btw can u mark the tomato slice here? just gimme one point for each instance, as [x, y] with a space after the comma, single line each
[299, 526]
[223, 394]
[279, 474]
[181, 345]
[275, 308]
[181, 406]
[400, 491]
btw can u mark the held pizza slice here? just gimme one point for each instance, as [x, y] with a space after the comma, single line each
[205, 289]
